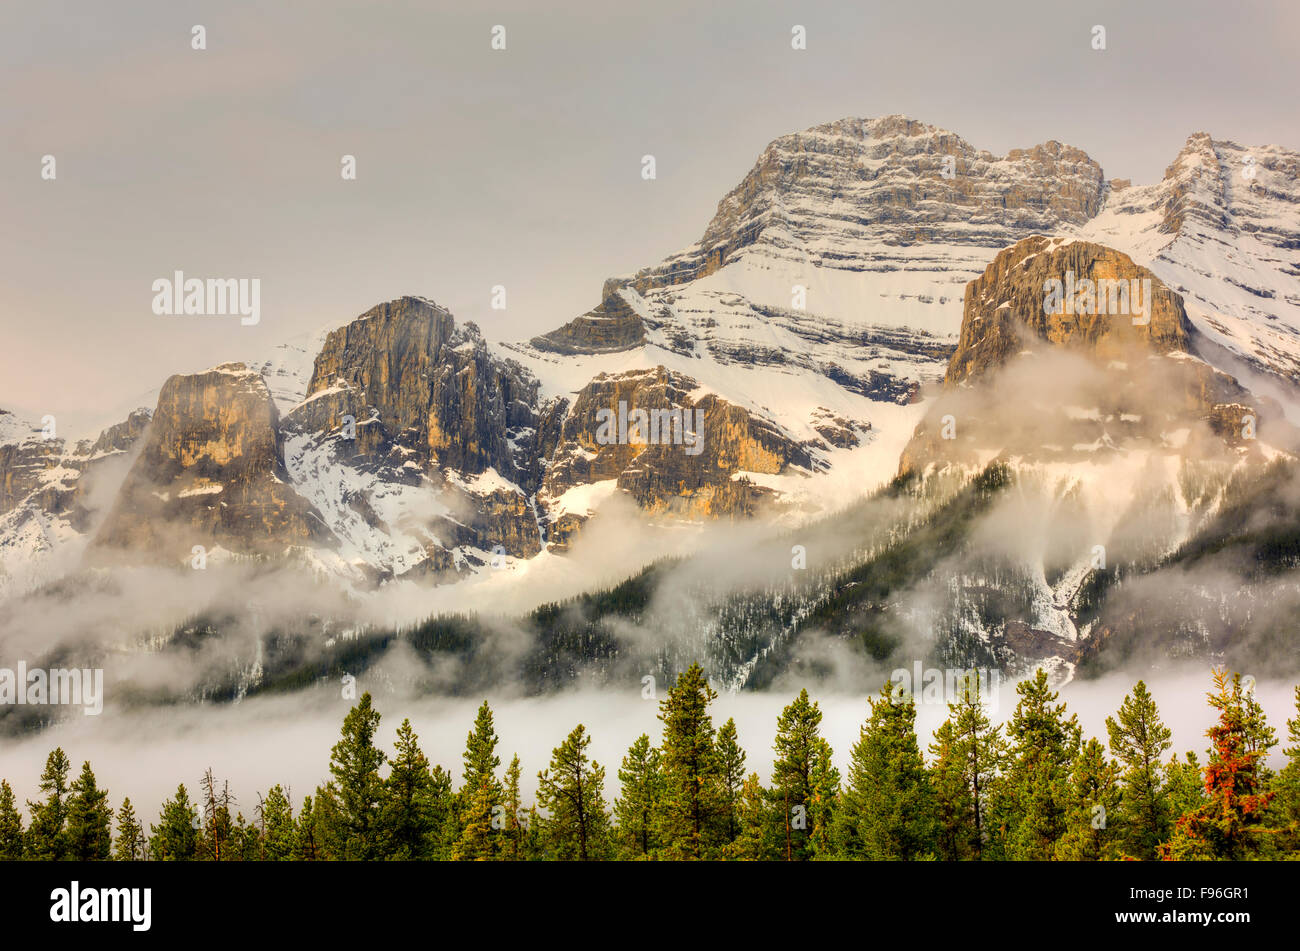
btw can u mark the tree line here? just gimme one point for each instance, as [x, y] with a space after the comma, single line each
[1030, 789]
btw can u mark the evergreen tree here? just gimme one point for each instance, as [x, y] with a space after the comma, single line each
[1260, 737]
[1184, 791]
[1035, 794]
[533, 849]
[11, 826]
[981, 746]
[446, 816]
[731, 775]
[175, 838]
[310, 832]
[954, 806]
[888, 809]
[797, 746]
[409, 817]
[822, 807]
[1286, 787]
[279, 830]
[571, 791]
[47, 838]
[513, 842]
[477, 841]
[1139, 740]
[1229, 825]
[481, 788]
[641, 785]
[760, 821]
[355, 793]
[130, 844]
[1090, 833]
[245, 841]
[691, 801]
[90, 820]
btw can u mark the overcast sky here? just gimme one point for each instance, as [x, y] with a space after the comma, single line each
[518, 167]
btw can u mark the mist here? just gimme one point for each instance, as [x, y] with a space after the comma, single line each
[287, 740]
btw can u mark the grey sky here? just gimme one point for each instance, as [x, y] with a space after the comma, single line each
[519, 167]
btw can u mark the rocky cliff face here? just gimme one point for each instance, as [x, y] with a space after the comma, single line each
[697, 464]
[210, 473]
[1100, 310]
[433, 388]
[1138, 381]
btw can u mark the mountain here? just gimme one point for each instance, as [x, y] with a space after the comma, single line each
[866, 309]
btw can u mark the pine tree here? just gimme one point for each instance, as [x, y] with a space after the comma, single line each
[477, 841]
[641, 784]
[245, 841]
[571, 791]
[445, 813]
[1035, 794]
[130, 844]
[408, 815]
[356, 791]
[731, 775]
[1139, 740]
[1260, 737]
[310, 831]
[981, 746]
[279, 831]
[1184, 790]
[533, 849]
[480, 778]
[797, 746]
[1286, 786]
[822, 807]
[954, 806]
[11, 826]
[760, 821]
[1229, 825]
[690, 805]
[888, 809]
[175, 838]
[1094, 807]
[90, 820]
[513, 847]
[47, 837]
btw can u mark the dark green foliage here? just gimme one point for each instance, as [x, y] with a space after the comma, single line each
[47, 836]
[572, 795]
[175, 838]
[90, 820]
[889, 809]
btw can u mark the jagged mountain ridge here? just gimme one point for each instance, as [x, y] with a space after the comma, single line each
[859, 213]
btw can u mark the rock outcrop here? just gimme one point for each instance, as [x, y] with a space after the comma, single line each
[1137, 380]
[210, 473]
[1100, 312]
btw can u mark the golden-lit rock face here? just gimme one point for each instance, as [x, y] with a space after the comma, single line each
[1076, 382]
[686, 479]
[210, 474]
[1004, 310]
